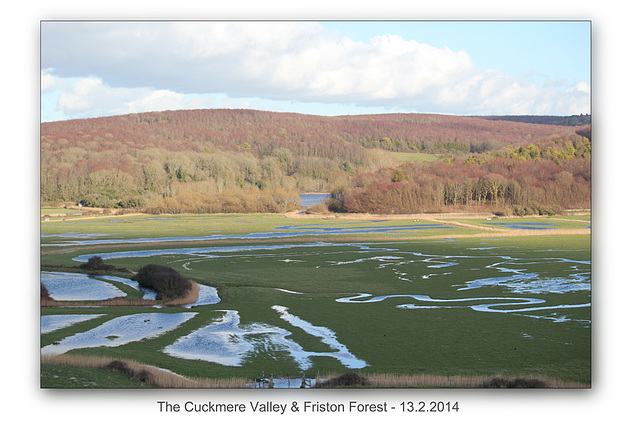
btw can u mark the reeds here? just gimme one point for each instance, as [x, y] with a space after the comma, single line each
[456, 381]
[151, 375]
[164, 378]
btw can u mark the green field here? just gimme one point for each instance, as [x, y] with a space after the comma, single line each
[398, 296]
[415, 157]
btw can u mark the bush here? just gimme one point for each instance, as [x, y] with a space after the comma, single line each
[350, 379]
[517, 383]
[163, 280]
[121, 367]
[96, 263]
[44, 293]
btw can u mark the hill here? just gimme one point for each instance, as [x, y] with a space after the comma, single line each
[575, 120]
[246, 160]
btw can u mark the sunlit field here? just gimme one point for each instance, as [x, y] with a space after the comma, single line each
[294, 297]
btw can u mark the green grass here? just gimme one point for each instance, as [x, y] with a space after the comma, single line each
[559, 222]
[415, 157]
[440, 341]
[61, 376]
[57, 211]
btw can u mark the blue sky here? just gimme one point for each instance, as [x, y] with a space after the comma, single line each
[559, 49]
[91, 69]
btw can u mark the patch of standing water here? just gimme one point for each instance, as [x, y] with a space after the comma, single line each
[207, 295]
[53, 322]
[531, 283]
[326, 335]
[295, 231]
[120, 331]
[488, 307]
[213, 252]
[147, 293]
[525, 225]
[78, 287]
[228, 343]
[310, 199]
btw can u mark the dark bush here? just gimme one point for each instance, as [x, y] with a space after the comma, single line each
[517, 383]
[95, 263]
[123, 368]
[143, 375]
[44, 293]
[163, 280]
[350, 379]
[119, 366]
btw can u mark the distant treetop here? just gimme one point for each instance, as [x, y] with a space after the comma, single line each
[575, 120]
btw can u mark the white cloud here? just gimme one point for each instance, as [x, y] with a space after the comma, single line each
[48, 82]
[152, 65]
[90, 97]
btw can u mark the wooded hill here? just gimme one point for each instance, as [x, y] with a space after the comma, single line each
[575, 120]
[246, 160]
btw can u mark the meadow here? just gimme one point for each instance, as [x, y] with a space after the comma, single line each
[296, 295]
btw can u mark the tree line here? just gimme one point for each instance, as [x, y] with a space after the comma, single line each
[244, 160]
[510, 182]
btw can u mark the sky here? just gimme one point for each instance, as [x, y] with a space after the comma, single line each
[103, 68]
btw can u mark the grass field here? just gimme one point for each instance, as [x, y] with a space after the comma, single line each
[381, 296]
[415, 157]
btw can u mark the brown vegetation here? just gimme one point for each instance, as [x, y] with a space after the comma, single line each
[151, 375]
[439, 381]
[163, 378]
[528, 181]
[248, 161]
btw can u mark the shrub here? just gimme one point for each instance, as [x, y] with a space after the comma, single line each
[350, 379]
[95, 263]
[44, 293]
[165, 281]
[517, 383]
[121, 367]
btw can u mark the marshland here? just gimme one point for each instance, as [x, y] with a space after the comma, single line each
[403, 301]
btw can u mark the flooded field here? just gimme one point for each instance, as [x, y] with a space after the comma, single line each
[478, 305]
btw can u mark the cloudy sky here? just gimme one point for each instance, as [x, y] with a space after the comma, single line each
[102, 68]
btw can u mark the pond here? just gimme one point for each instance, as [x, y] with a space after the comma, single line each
[78, 287]
[310, 199]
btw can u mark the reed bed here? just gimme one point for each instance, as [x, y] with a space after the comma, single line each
[457, 381]
[164, 378]
[151, 375]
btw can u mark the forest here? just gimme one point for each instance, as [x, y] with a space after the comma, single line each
[209, 161]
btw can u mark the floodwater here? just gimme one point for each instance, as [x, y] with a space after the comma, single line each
[78, 287]
[488, 307]
[283, 232]
[310, 199]
[119, 331]
[520, 284]
[213, 252]
[228, 342]
[64, 286]
[54, 322]
[525, 225]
